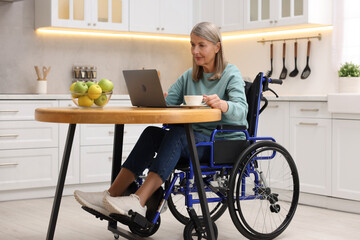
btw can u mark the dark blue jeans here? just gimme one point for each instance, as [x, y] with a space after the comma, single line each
[160, 150]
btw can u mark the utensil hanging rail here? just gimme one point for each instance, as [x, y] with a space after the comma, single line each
[263, 41]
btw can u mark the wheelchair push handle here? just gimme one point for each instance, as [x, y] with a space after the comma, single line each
[275, 81]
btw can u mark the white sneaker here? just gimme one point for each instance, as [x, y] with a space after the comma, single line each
[93, 200]
[122, 205]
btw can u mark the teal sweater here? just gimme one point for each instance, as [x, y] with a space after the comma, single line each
[230, 87]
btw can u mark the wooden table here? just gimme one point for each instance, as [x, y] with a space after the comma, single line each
[120, 116]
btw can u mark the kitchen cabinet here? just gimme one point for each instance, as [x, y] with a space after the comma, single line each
[310, 145]
[161, 16]
[226, 14]
[28, 149]
[345, 160]
[31, 152]
[304, 128]
[84, 14]
[277, 13]
[274, 122]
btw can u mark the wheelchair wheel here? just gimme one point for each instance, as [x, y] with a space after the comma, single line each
[145, 232]
[190, 232]
[177, 205]
[265, 189]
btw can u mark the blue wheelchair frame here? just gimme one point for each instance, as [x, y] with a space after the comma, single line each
[210, 169]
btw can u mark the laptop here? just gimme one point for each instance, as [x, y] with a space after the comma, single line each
[145, 89]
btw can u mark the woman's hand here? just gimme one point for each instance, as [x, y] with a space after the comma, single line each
[165, 94]
[215, 102]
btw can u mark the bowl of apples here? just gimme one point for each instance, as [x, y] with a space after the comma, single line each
[91, 94]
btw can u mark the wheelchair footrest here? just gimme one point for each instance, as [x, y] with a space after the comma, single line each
[97, 214]
[135, 218]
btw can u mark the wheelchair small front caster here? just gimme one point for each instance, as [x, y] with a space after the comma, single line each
[191, 232]
[116, 236]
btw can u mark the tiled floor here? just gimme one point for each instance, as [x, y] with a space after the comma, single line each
[28, 219]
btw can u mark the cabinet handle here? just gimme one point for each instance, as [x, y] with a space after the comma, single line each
[273, 106]
[162, 29]
[308, 124]
[4, 111]
[89, 24]
[110, 158]
[9, 135]
[271, 21]
[275, 21]
[309, 110]
[158, 28]
[94, 24]
[8, 164]
[111, 133]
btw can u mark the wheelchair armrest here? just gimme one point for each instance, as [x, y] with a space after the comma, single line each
[231, 127]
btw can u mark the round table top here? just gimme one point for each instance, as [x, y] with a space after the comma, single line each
[126, 115]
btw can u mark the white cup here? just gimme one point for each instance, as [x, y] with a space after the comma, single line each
[193, 99]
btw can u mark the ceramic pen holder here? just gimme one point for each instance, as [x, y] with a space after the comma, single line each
[41, 86]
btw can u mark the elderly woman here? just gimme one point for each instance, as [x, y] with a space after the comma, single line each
[158, 149]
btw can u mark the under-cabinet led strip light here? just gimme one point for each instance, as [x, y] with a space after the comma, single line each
[180, 38]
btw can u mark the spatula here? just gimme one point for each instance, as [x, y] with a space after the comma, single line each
[284, 70]
[295, 71]
[307, 70]
[268, 74]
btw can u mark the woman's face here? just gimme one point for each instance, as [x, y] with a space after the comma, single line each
[204, 52]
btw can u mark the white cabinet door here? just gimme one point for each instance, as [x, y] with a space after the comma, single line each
[274, 122]
[111, 15]
[226, 14]
[28, 134]
[28, 168]
[161, 16]
[84, 14]
[310, 146]
[96, 162]
[260, 13]
[346, 161]
[276, 13]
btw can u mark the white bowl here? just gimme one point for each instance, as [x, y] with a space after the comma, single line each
[193, 100]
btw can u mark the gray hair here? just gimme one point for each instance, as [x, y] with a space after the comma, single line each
[210, 32]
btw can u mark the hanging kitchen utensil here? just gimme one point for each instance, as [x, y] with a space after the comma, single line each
[295, 71]
[307, 70]
[284, 70]
[268, 74]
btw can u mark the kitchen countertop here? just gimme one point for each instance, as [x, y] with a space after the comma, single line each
[51, 97]
[318, 98]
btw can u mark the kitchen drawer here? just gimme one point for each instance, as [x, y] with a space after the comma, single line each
[96, 162]
[22, 110]
[103, 134]
[28, 134]
[309, 110]
[28, 168]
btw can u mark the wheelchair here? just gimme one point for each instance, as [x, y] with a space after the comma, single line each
[255, 178]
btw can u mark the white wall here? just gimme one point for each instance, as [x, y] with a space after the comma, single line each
[252, 57]
[21, 48]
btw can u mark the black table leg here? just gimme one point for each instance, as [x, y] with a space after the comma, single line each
[61, 181]
[198, 181]
[116, 162]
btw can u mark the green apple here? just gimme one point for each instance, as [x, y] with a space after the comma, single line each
[80, 87]
[106, 85]
[102, 100]
[89, 83]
